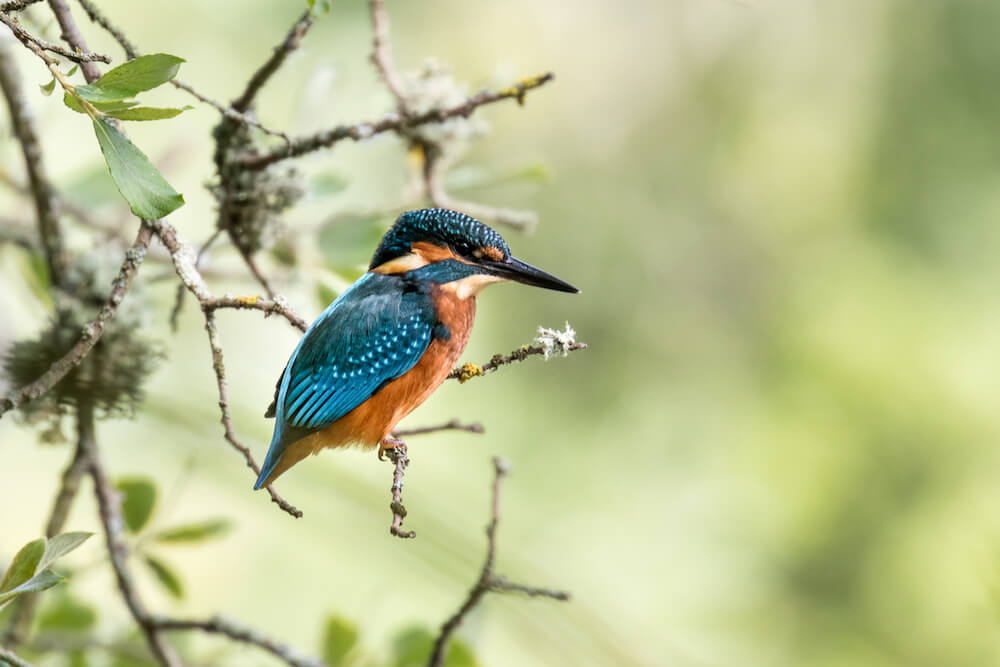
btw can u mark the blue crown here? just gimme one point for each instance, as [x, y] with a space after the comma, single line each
[441, 227]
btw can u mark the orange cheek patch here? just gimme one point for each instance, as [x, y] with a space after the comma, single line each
[493, 253]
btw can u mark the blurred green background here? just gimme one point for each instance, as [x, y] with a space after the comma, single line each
[780, 448]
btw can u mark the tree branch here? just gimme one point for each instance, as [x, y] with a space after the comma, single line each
[25, 37]
[390, 123]
[469, 370]
[221, 626]
[453, 425]
[71, 35]
[382, 53]
[267, 70]
[91, 331]
[12, 659]
[488, 581]
[131, 53]
[397, 454]
[16, 5]
[42, 192]
[184, 259]
[109, 507]
[227, 422]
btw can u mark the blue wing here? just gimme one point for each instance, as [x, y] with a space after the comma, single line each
[373, 333]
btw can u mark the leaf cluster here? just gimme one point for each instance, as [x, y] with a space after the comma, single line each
[30, 571]
[111, 99]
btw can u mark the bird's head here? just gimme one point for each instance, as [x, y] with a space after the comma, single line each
[451, 248]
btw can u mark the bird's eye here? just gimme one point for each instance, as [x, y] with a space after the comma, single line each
[464, 247]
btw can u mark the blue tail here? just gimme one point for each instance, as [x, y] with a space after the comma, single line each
[274, 453]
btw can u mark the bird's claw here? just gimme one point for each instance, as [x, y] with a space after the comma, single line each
[388, 444]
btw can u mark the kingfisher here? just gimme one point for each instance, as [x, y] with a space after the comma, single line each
[390, 339]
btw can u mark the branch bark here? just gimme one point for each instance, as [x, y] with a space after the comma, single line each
[72, 36]
[488, 581]
[42, 192]
[390, 123]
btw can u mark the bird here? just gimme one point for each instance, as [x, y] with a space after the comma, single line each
[389, 340]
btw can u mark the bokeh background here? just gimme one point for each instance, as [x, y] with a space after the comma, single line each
[781, 446]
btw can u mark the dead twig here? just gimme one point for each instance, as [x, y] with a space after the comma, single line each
[469, 370]
[397, 454]
[227, 421]
[488, 581]
[390, 123]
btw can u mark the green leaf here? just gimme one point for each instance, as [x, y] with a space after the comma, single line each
[72, 71]
[47, 88]
[320, 6]
[143, 73]
[138, 499]
[147, 113]
[143, 187]
[195, 532]
[60, 545]
[67, 614]
[412, 646]
[94, 93]
[39, 582]
[166, 576]
[106, 106]
[339, 637]
[24, 565]
[459, 654]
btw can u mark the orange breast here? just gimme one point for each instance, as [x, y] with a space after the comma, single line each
[375, 419]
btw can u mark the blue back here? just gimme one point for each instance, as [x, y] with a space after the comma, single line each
[373, 333]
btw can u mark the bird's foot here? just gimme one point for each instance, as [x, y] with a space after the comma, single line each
[389, 444]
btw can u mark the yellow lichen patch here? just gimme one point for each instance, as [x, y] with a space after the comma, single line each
[248, 300]
[468, 371]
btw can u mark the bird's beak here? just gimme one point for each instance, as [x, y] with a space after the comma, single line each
[514, 269]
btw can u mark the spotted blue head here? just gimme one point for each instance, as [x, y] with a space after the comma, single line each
[446, 245]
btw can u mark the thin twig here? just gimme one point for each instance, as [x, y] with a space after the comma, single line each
[131, 52]
[453, 425]
[13, 659]
[469, 370]
[181, 290]
[41, 190]
[392, 122]
[398, 456]
[223, 626]
[91, 331]
[227, 422]
[25, 36]
[261, 76]
[97, 17]
[109, 508]
[488, 581]
[183, 258]
[255, 270]
[229, 112]
[382, 53]
[16, 5]
[71, 35]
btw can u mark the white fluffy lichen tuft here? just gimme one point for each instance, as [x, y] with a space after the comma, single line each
[554, 341]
